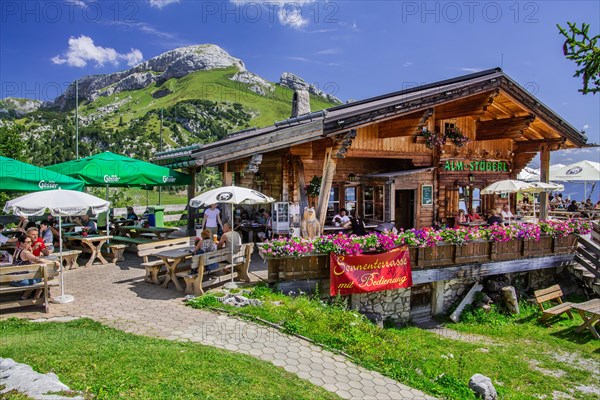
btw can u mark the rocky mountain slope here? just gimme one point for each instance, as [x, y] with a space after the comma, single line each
[201, 92]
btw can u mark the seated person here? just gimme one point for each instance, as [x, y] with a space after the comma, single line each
[260, 216]
[357, 224]
[268, 228]
[342, 218]
[23, 256]
[495, 218]
[461, 218]
[597, 206]
[472, 216]
[87, 222]
[205, 245]
[47, 235]
[229, 238]
[588, 205]
[573, 207]
[38, 247]
[131, 214]
[245, 216]
[506, 214]
[4, 239]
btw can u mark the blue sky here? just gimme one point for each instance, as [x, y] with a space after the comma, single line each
[353, 49]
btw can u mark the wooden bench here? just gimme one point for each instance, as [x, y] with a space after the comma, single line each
[34, 271]
[553, 293]
[117, 250]
[241, 262]
[153, 267]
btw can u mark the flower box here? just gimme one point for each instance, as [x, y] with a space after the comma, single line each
[297, 268]
[442, 254]
[564, 244]
[472, 252]
[510, 250]
[533, 248]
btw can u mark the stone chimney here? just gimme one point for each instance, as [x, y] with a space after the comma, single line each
[300, 102]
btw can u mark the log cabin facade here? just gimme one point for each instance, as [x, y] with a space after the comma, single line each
[372, 156]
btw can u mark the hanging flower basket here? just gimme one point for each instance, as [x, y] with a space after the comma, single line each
[456, 137]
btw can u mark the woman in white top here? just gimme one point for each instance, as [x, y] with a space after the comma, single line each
[212, 219]
[506, 213]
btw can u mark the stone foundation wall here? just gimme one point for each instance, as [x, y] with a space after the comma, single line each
[379, 306]
[542, 278]
[454, 290]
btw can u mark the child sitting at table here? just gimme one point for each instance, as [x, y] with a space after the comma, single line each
[205, 245]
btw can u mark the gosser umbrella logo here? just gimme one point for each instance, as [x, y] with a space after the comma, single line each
[224, 196]
[574, 171]
[47, 185]
[111, 178]
[168, 179]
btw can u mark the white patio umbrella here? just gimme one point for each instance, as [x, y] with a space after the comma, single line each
[60, 203]
[505, 186]
[539, 187]
[582, 171]
[230, 195]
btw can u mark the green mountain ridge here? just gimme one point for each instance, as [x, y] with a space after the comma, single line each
[199, 107]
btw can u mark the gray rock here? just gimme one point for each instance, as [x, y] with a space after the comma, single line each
[23, 379]
[294, 82]
[375, 318]
[483, 387]
[19, 107]
[257, 84]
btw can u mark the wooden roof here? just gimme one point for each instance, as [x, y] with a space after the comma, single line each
[504, 110]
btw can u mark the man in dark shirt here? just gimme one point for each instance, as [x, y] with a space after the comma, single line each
[573, 206]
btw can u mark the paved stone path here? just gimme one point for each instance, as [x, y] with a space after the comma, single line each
[118, 296]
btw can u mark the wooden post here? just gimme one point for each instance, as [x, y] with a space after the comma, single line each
[329, 166]
[191, 193]
[301, 185]
[544, 177]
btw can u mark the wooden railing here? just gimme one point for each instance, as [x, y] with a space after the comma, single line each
[440, 256]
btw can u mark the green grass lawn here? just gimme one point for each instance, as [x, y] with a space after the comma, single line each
[110, 364]
[516, 352]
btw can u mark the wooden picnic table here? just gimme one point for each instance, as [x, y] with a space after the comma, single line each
[93, 244]
[591, 308]
[135, 231]
[172, 258]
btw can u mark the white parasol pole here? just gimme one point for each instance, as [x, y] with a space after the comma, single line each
[63, 298]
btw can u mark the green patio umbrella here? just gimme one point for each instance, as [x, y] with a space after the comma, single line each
[114, 170]
[17, 176]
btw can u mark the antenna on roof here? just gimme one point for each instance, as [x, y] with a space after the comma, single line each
[502, 61]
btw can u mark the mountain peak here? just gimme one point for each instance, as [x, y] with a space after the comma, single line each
[171, 64]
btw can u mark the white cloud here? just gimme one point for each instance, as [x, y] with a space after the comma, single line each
[291, 15]
[407, 64]
[328, 52]
[79, 3]
[306, 60]
[161, 3]
[468, 69]
[586, 126]
[83, 50]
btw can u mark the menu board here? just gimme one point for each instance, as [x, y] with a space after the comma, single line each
[427, 195]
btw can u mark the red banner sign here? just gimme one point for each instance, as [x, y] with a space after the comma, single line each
[370, 272]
